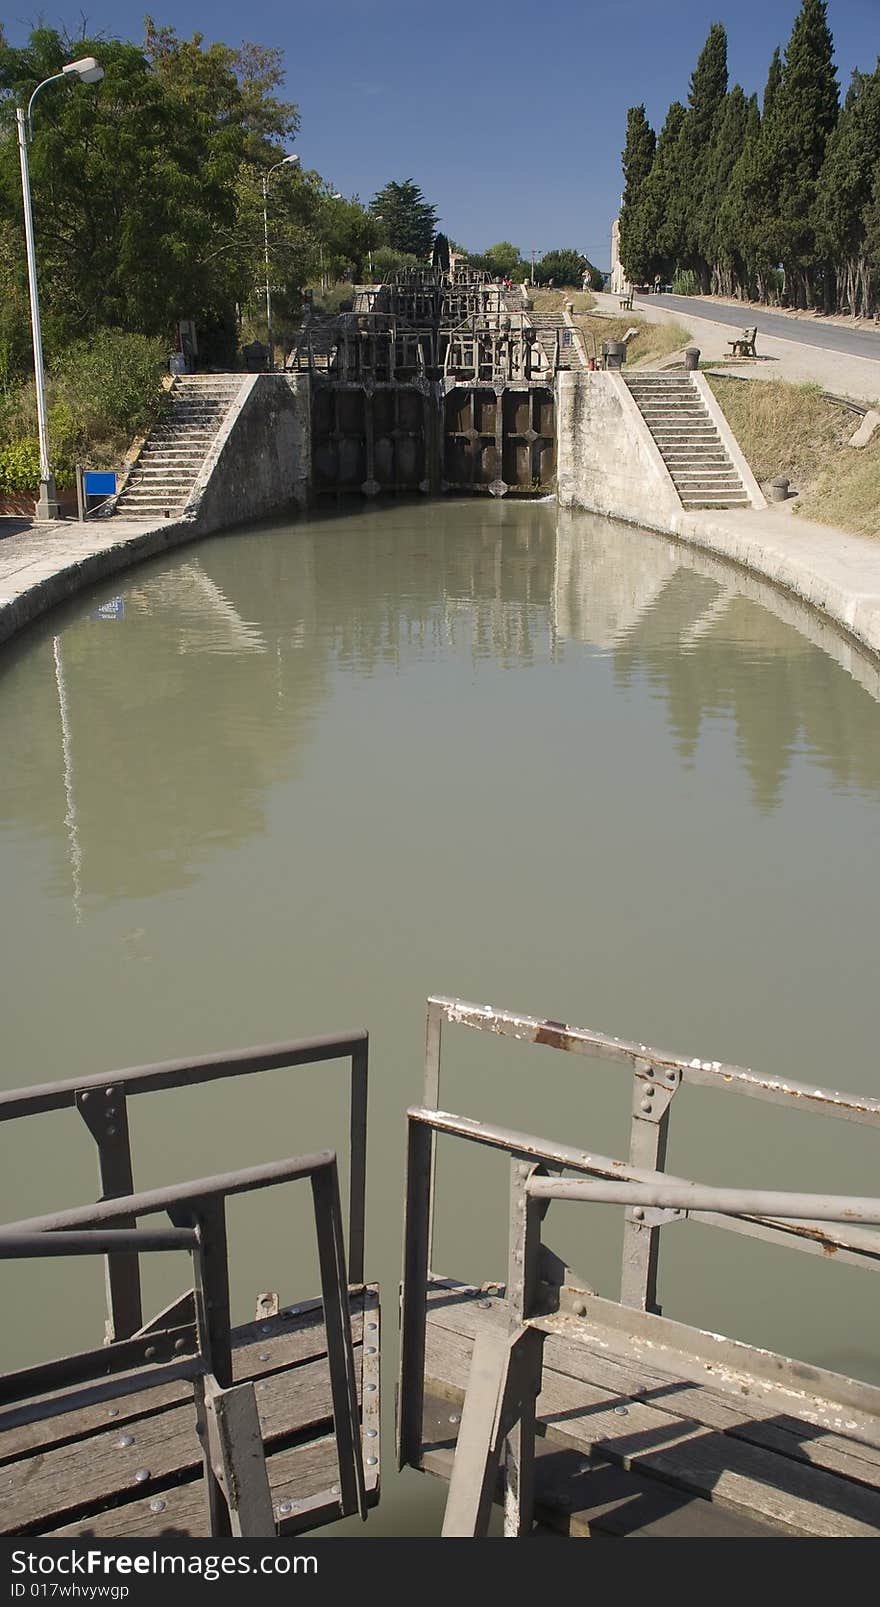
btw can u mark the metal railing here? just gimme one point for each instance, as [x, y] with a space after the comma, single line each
[657, 1078]
[236, 1482]
[102, 1103]
[815, 1223]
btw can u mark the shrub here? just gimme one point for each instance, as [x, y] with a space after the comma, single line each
[684, 282]
[19, 468]
[110, 387]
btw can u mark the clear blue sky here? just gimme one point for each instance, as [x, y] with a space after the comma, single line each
[511, 116]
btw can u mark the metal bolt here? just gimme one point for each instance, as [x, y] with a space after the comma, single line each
[149, 1353]
[639, 1213]
[486, 1304]
[285, 1508]
[370, 1389]
[109, 1092]
[158, 1506]
[111, 1112]
[649, 1072]
[292, 1311]
[179, 1345]
[264, 1355]
[111, 1132]
[371, 1350]
[454, 1417]
[125, 1440]
[142, 1475]
[85, 1096]
[580, 1309]
[266, 1328]
[622, 1411]
[113, 1411]
[264, 1385]
[646, 1105]
[372, 1433]
[372, 1325]
[372, 1461]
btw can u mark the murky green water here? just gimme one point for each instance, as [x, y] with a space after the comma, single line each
[292, 780]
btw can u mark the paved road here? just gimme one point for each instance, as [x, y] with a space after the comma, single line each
[851, 342]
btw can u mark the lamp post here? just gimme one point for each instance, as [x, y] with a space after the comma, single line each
[88, 72]
[286, 161]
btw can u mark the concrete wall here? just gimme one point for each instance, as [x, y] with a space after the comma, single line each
[607, 460]
[260, 462]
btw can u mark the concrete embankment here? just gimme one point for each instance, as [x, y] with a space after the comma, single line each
[258, 463]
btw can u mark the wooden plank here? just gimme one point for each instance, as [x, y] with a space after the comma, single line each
[295, 1475]
[763, 1416]
[39, 1489]
[687, 1454]
[284, 1341]
[579, 1496]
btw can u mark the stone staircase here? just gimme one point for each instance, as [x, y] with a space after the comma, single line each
[162, 478]
[547, 324]
[689, 443]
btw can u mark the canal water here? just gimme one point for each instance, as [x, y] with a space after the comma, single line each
[294, 778]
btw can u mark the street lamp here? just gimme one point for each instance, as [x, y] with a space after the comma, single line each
[87, 71]
[286, 161]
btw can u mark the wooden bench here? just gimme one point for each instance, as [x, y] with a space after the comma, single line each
[744, 345]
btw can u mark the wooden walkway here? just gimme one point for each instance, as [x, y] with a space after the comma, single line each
[95, 1461]
[628, 1448]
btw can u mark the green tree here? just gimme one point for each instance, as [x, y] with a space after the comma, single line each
[804, 114]
[136, 180]
[409, 222]
[505, 258]
[636, 240]
[728, 140]
[706, 101]
[565, 267]
[656, 234]
[844, 194]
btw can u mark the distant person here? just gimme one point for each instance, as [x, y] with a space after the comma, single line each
[656, 284]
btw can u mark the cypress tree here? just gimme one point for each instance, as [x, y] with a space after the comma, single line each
[805, 111]
[706, 98]
[844, 193]
[638, 159]
[728, 139]
[733, 240]
[658, 238]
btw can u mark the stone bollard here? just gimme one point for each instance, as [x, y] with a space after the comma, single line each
[779, 488]
[692, 358]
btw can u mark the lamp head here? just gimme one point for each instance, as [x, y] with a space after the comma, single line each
[292, 160]
[87, 70]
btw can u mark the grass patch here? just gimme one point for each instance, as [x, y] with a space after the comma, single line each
[652, 342]
[794, 430]
[554, 300]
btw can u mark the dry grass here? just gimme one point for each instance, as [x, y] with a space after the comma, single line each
[652, 342]
[793, 430]
[554, 300]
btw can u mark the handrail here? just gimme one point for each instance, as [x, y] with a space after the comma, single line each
[197, 1210]
[102, 1102]
[688, 1197]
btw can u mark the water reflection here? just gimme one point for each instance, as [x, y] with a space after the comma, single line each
[175, 703]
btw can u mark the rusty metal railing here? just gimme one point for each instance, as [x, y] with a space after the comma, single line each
[847, 1229]
[102, 1103]
[657, 1077]
[497, 1432]
[238, 1500]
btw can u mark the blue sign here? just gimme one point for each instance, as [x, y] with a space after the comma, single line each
[99, 483]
